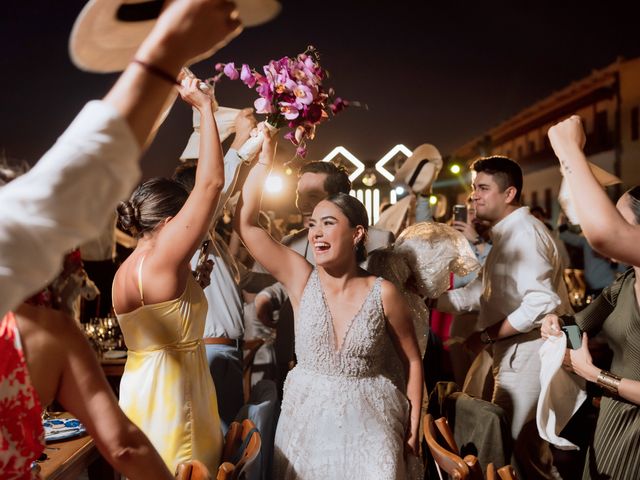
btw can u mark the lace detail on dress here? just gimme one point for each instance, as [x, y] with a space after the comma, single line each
[341, 415]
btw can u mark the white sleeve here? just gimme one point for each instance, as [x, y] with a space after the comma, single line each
[64, 200]
[464, 299]
[232, 162]
[534, 283]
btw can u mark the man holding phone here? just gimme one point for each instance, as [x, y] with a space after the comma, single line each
[520, 282]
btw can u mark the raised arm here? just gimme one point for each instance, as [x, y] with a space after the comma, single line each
[182, 235]
[66, 198]
[598, 216]
[185, 30]
[404, 338]
[284, 264]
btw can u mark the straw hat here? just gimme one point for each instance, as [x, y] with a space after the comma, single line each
[420, 170]
[603, 177]
[107, 33]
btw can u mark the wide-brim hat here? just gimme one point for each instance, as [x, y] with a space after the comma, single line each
[603, 177]
[107, 33]
[420, 170]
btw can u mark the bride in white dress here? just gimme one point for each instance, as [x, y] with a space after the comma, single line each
[341, 416]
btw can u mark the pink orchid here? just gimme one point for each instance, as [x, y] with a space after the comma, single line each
[301, 151]
[230, 71]
[247, 77]
[289, 110]
[304, 95]
[262, 105]
[291, 94]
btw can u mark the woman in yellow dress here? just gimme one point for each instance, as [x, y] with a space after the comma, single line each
[167, 389]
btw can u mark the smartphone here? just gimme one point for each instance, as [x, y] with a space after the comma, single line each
[460, 213]
[574, 336]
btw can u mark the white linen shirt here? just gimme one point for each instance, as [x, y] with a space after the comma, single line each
[521, 279]
[64, 200]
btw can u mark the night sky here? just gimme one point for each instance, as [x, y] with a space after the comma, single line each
[437, 72]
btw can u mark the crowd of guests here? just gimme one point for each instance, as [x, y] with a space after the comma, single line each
[181, 295]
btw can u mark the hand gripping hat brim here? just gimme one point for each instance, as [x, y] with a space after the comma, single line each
[420, 170]
[107, 33]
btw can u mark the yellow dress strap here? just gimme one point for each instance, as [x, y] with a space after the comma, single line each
[140, 280]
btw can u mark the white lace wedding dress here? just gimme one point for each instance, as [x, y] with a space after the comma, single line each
[342, 417]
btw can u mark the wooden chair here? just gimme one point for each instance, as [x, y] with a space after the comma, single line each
[505, 473]
[250, 348]
[193, 470]
[446, 460]
[475, 469]
[241, 448]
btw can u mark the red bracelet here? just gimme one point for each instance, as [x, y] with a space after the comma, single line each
[158, 72]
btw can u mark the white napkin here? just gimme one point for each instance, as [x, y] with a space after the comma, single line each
[561, 393]
[225, 119]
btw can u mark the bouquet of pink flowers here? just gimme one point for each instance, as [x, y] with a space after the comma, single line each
[291, 94]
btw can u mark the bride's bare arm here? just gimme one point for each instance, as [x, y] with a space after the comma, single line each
[404, 338]
[287, 266]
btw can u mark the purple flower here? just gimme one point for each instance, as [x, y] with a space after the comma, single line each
[291, 137]
[304, 95]
[338, 105]
[313, 113]
[289, 110]
[262, 105]
[230, 71]
[247, 77]
[301, 151]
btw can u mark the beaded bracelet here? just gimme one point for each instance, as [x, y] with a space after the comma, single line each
[157, 71]
[609, 381]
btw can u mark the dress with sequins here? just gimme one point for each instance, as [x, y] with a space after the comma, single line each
[342, 417]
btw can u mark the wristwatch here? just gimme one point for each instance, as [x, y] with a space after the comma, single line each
[485, 338]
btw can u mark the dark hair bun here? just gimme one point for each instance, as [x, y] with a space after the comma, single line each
[129, 217]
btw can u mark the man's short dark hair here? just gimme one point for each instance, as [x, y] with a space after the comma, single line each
[337, 180]
[505, 172]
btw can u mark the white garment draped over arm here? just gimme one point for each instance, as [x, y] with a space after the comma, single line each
[64, 200]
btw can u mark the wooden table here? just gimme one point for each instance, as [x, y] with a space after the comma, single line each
[113, 367]
[68, 458]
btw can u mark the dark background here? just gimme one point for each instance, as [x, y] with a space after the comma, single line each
[429, 71]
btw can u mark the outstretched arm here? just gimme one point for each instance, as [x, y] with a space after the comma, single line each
[283, 263]
[404, 338]
[63, 365]
[598, 216]
[66, 198]
[182, 235]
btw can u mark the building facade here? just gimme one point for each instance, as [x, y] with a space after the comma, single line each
[609, 102]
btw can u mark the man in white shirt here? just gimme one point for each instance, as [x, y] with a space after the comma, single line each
[520, 283]
[66, 198]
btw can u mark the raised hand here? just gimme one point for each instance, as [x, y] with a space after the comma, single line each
[567, 136]
[192, 94]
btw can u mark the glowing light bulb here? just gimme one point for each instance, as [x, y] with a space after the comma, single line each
[273, 184]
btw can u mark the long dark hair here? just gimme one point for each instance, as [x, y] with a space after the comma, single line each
[151, 203]
[355, 212]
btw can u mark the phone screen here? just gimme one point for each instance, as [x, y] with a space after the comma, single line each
[574, 336]
[460, 213]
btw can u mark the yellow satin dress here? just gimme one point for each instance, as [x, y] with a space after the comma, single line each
[166, 388]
